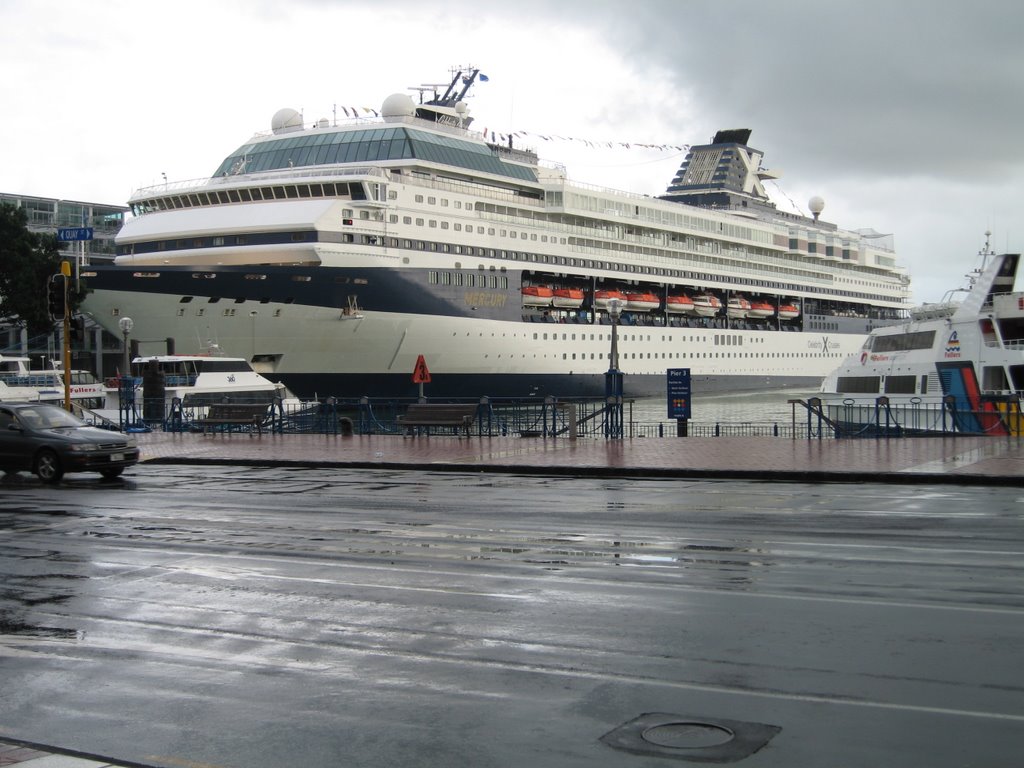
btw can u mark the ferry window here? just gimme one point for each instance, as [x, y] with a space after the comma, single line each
[513, 235]
[433, 223]
[444, 202]
[407, 243]
[240, 240]
[185, 300]
[419, 198]
[393, 218]
[432, 201]
[858, 384]
[444, 225]
[218, 241]
[458, 227]
[490, 230]
[392, 195]
[298, 237]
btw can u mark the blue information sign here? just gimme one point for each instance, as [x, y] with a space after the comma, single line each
[71, 234]
[678, 393]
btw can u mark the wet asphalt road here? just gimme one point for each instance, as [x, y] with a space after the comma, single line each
[224, 616]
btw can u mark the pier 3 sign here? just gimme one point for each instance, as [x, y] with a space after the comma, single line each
[678, 393]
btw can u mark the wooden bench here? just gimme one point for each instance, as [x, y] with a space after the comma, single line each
[459, 415]
[234, 415]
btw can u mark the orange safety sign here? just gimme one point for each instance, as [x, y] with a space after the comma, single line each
[420, 374]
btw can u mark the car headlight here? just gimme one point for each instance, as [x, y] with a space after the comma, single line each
[84, 447]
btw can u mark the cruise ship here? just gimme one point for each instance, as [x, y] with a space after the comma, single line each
[336, 254]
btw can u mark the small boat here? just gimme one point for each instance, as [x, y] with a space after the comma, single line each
[601, 298]
[706, 305]
[537, 296]
[567, 298]
[18, 381]
[679, 304]
[789, 311]
[198, 380]
[738, 307]
[642, 302]
[760, 309]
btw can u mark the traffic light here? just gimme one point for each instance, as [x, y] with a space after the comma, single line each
[56, 296]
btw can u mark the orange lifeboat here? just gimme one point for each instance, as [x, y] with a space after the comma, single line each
[642, 302]
[760, 309]
[567, 298]
[789, 311]
[537, 296]
[681, 304]
[601, 298]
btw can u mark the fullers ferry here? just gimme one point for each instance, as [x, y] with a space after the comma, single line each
[340, 252]
[954, 366]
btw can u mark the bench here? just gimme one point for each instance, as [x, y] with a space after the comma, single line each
[459, 415]
[234, 414]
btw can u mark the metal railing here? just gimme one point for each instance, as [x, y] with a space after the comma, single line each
[584, 418]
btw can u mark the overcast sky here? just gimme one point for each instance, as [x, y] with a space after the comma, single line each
[904, 115]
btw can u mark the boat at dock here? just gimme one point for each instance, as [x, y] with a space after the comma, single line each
[459, 248]
[19, 381]
[953, 366]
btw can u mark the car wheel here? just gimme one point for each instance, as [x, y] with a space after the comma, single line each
[48, 467]
[111, 473]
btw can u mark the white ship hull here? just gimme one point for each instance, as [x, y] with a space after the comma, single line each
[317, 351]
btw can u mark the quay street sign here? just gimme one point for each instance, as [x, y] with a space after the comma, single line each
[73, 234]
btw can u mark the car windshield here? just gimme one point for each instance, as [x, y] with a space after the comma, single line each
[48, 417]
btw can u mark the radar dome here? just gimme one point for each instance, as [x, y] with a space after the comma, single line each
[398, 105]
[285, 120]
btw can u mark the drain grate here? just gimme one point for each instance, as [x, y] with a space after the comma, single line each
[685, 737]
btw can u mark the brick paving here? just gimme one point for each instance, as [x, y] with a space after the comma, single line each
[963, 460]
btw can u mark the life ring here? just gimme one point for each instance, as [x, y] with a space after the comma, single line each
[112, 383]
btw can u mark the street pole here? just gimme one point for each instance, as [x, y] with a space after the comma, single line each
[613, 379]
[65, 269]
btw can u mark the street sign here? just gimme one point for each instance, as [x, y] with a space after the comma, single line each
[73, 234]
[678, 393]
[420, 374]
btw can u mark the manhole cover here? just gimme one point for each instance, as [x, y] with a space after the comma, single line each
[687, 735]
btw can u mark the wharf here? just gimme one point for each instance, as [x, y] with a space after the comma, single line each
[966, 460]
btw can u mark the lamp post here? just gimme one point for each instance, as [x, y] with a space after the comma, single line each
[126, 324]
[613, 379]
[126, 392]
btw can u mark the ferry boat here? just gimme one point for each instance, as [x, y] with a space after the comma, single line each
[444, 237]
[954, 366]
[19, 381]
[196, 381]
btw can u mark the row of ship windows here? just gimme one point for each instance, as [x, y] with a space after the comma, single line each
[720, 339]
[697, 355]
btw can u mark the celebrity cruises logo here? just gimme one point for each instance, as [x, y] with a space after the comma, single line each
[953, 345]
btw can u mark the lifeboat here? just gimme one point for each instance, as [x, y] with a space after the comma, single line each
[567, 298]
[601, 298]
[642, 302]
[738, 307]
[789, 311]
[681, 304]
[706, 305]
[537, 296]
[760, 309]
